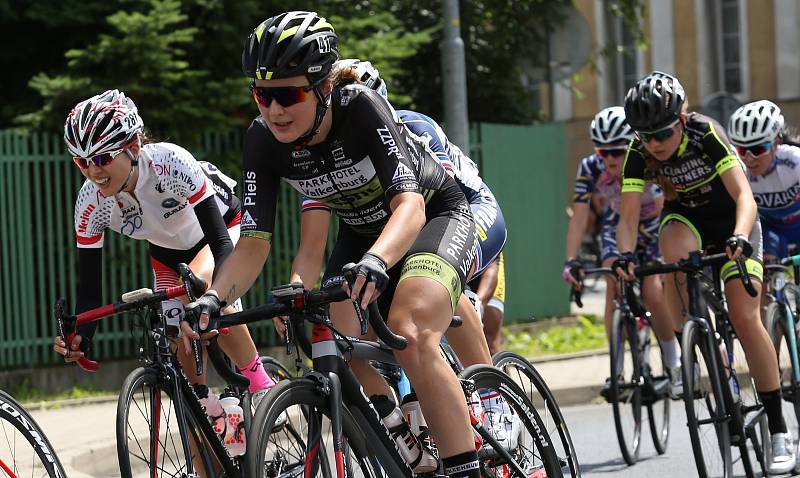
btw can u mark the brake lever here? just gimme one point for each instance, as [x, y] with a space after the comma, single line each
[349, 273]
[68, 331]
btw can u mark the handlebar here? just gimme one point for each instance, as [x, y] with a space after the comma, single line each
[576, 294]
[133, 300]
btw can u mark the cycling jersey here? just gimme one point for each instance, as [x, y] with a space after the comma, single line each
[646, 240]
[593, 178]
[777, 194]
[365, 161]
[693, 171]
[170, 181]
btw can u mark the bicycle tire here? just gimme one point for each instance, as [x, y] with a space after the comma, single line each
[534, 451]
[658, 410]
[542, 397]
[703, 399]
[298, 399]
[276, 369]
[134, 399]
[626, 394]
[773, 320]
[13, 415]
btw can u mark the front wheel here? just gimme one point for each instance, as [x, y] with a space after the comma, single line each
[776, 319]
[657, 398]
[292, 432]
[626, 386]
[148, 438]
[17, 427]
[708, 422]
[536, 390]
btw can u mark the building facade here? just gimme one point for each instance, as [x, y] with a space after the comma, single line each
[725, 52]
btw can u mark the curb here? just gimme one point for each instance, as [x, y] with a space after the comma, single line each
[68, 402]
[570, 356]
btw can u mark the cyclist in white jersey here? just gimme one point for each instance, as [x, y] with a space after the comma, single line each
[160, 193]
[601, 174]
[772, 158]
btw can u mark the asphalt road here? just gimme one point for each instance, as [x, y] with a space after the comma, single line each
[592, 429]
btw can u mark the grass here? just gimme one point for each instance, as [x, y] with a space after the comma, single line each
[588, 334]
[26, 393]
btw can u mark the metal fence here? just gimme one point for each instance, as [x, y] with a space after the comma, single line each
[39, 184]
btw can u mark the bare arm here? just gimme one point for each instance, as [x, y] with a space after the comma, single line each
[628, 221]
[240, 270]
[739, 188]
[577, 228]
[488, 282]
[313, 238]
[407, 219]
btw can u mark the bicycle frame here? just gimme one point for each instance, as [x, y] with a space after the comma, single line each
[788, 318]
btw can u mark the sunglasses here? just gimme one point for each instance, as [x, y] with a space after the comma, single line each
[99, 160]
[660, 135]
[606, 152]
[286, 96]
[755, 150]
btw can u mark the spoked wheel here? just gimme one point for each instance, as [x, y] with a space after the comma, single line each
[517, 431]
[774, 320]
[536, 390]
[148, 438]
[709, 425]
[24, 448]
[656, 399]
[292, 431]
[626, 387]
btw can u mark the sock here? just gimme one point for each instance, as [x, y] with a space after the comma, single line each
[259, 378]
[772, 405]
[672, 353]
[464, 465]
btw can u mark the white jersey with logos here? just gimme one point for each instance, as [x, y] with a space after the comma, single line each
[777, 192]
[171, 181]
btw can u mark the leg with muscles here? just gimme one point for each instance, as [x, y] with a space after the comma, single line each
[468, 340]
[492, 325]
[655, 303]
[676, 239]
[421, 312]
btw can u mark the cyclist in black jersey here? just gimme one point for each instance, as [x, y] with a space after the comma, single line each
[709, 206]
[402, 219]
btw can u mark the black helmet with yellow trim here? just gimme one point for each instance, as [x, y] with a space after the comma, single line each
[291, 44]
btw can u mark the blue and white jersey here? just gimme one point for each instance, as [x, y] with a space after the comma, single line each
[777, 193]
[449, 155]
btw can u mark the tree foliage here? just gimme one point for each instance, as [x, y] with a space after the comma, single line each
[180, 59]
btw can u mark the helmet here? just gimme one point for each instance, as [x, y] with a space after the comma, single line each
[755, 123]
[368, 75]
[654, 102]
[609, 126]
[291, 44]
[102, 124]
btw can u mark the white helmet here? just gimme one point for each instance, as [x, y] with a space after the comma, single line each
[755, 123]
[102, 124]
[609, 127]
[368, 75]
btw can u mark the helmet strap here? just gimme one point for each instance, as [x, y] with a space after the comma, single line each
[322, 107]
[134, 164]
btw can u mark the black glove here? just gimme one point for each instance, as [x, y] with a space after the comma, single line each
[574, 268]
[373, 268]
[738, 241]
[622, 262]
[206, 304]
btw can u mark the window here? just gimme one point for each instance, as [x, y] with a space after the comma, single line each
[731, 46]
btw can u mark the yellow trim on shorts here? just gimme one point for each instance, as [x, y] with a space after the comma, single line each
[753, 267]
[427, 264]
[683, 220]
[500, 289]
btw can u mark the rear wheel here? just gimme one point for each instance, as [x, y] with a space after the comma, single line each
[774, 319]
[625, 387]
[709, 425]
[526, 443]
[536, 390]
